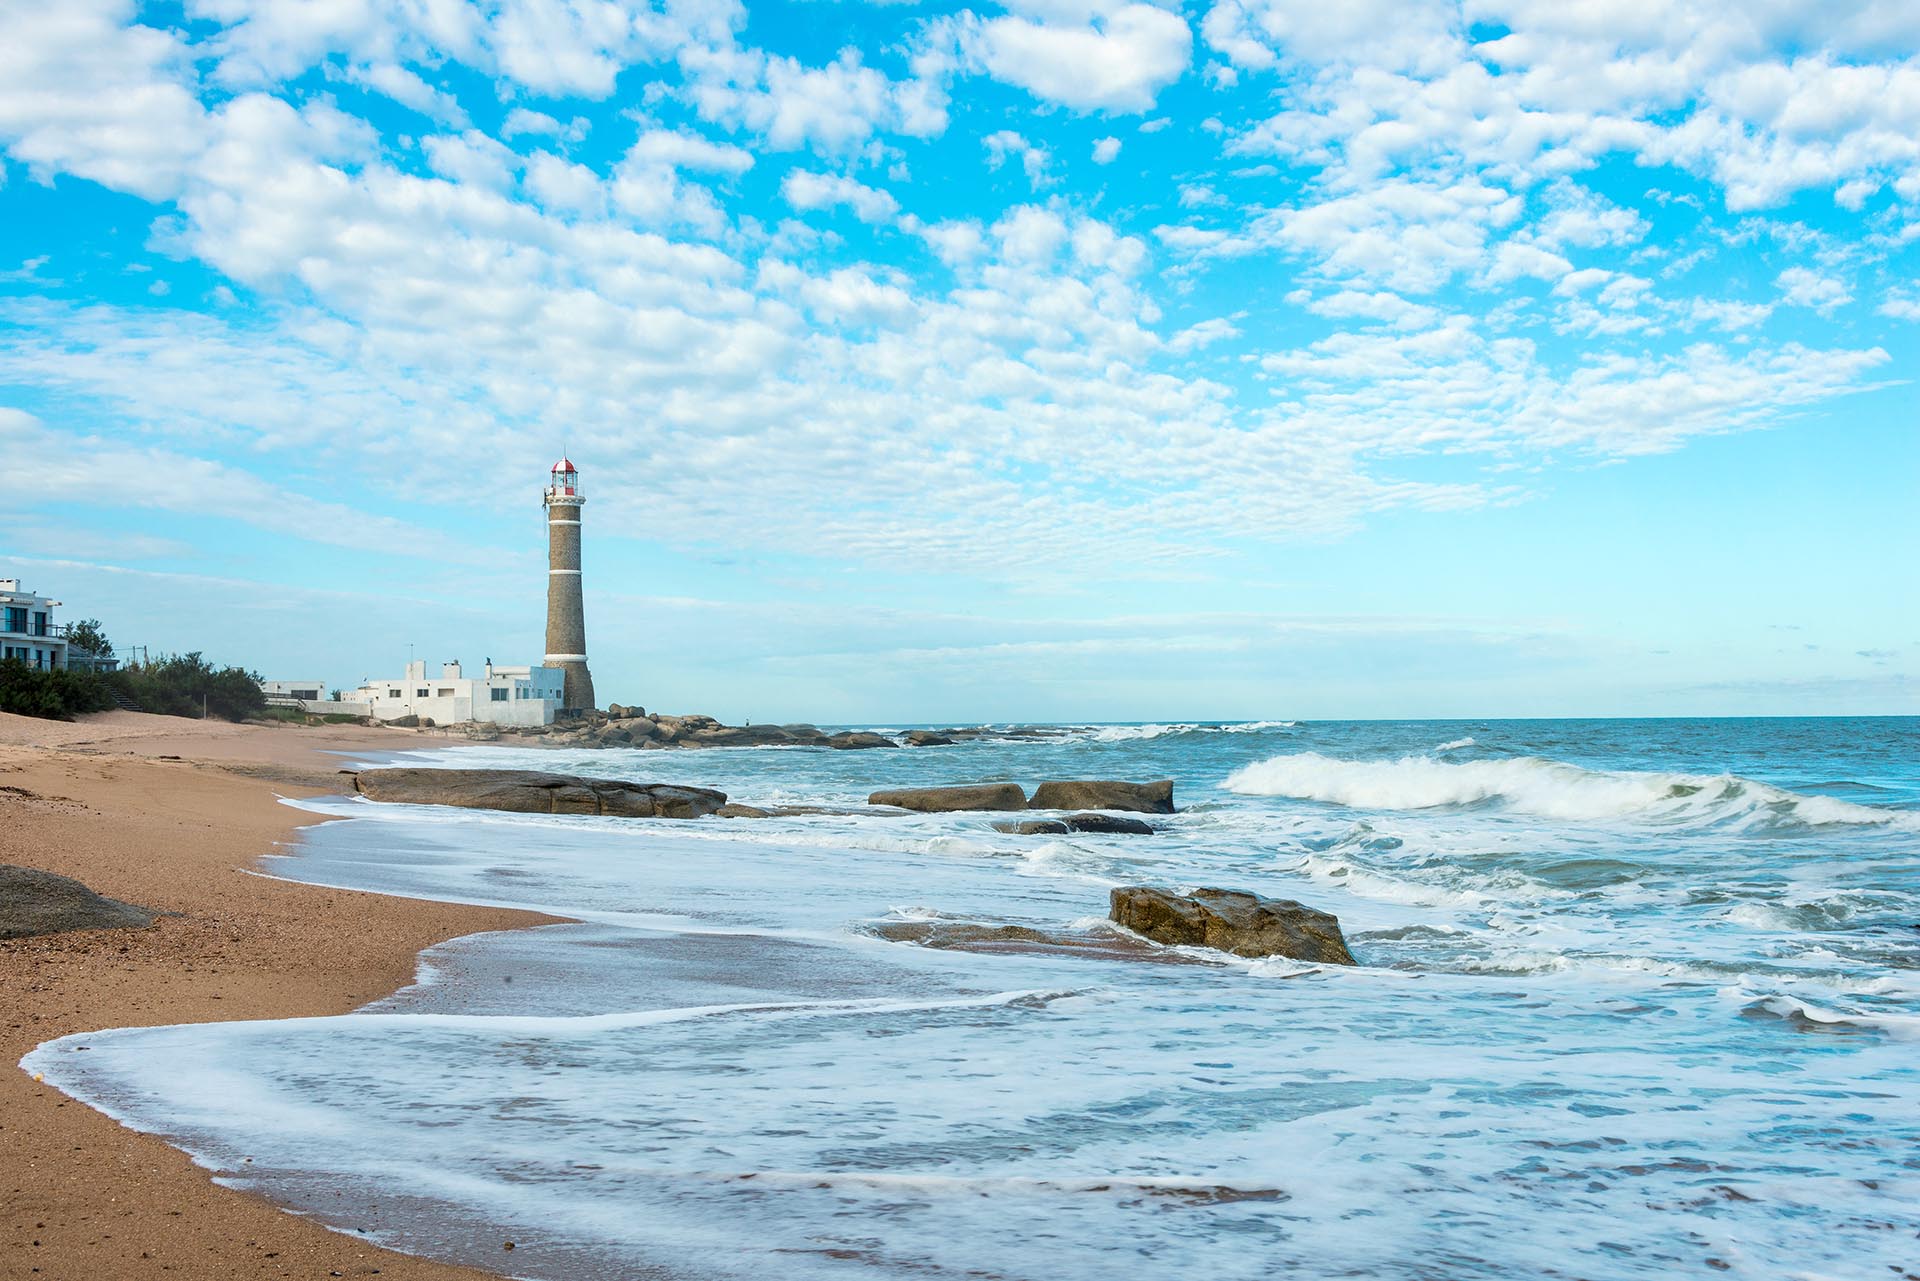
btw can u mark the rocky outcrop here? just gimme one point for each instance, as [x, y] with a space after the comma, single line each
[856, 739]
[34, 902]
[927, 738]
[534, 792]
[1231, 921]
[1105, 794]
[940, 800]
[733, 810]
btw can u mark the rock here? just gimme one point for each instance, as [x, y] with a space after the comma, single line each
[1034, 827]
[1108, 824]
[734, 810]
[1232, 921]
[853, 739]
[34, 902]
[618, 712]
[408, 721]
[927, 738]
[974, 936]
[1105, 794]
[940, 800]
[534, 792]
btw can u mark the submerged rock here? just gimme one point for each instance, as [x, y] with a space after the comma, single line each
[927, 738]
[1034, 827]
[976, 936]
[940, 800]
[1108, 824]
[34, 902]
[1232, 921]
[534, 792]
[735, 810]
[1105, 794]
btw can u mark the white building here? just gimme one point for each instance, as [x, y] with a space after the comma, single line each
[502, 696]
[27, 629]
[295, 691]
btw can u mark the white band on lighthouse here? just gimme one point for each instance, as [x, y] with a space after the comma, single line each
[563, 571]
[566, 658]
[563, 522]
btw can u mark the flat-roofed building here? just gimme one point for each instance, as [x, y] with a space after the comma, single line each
[501, 695]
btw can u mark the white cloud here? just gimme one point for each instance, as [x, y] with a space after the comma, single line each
[1802, 287]
[806, 190]
[1106, 151]
[1900, 305]
[1006, 142]
[1114, 57]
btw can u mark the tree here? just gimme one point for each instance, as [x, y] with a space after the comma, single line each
[86, 636]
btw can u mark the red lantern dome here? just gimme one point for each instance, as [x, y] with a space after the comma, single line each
[566, 480]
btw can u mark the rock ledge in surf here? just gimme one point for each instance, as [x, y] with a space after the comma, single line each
[1104, 794]
[1232, 921]
[940, 800]
[522, 791]
[35, 902]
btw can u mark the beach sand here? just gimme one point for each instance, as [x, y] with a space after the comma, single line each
[82, 1199]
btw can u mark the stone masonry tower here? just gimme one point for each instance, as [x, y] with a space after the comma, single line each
[566, 613]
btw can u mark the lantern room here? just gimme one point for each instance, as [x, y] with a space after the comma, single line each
[564, 483]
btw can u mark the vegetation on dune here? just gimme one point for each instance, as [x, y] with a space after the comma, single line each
[175, 685]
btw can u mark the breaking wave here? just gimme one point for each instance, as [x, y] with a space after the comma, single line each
[1135, 733]
[1553, 789]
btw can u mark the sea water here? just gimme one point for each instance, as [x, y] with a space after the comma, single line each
[1636, 999]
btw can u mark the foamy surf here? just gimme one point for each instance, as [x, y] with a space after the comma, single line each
[741, 1067]
[1550, 789]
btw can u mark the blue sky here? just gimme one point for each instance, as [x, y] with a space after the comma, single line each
[1057, 360]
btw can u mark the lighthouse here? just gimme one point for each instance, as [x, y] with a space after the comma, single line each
[566, 612]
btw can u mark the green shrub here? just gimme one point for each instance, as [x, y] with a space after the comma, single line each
[187, 685]
[53, 695]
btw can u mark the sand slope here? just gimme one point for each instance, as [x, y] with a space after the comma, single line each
[82, 1199]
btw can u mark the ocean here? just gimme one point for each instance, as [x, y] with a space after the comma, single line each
[1636, 999]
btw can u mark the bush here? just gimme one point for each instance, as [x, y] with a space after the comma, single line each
[185, 684]
[53, 695]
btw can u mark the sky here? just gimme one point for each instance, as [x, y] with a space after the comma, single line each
[1055, 360]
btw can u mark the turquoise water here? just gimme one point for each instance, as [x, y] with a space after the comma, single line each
[1637, 999]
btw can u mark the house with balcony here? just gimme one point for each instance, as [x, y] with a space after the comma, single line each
[27, 629]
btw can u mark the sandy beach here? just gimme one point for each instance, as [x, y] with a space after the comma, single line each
[171, 814]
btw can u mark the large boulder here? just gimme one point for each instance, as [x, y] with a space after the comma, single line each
[940, 800]
[534, 792]
[1105, 794]
[1232, 921]
[927, 738]
[1033, 827]
[34, 902]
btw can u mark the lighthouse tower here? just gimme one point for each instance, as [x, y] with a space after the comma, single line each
[566, 613]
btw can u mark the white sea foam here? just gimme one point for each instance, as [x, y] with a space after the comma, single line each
[1550, 789]
[1138, 733]
[1456, 744]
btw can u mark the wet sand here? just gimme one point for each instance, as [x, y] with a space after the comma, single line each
[81, 1198]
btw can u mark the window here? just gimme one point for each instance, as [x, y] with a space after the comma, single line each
[419, 693]
[499, 695]
[39, 623]
[445, 693]
[305, 695]
[393, 693]
[16, 619]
